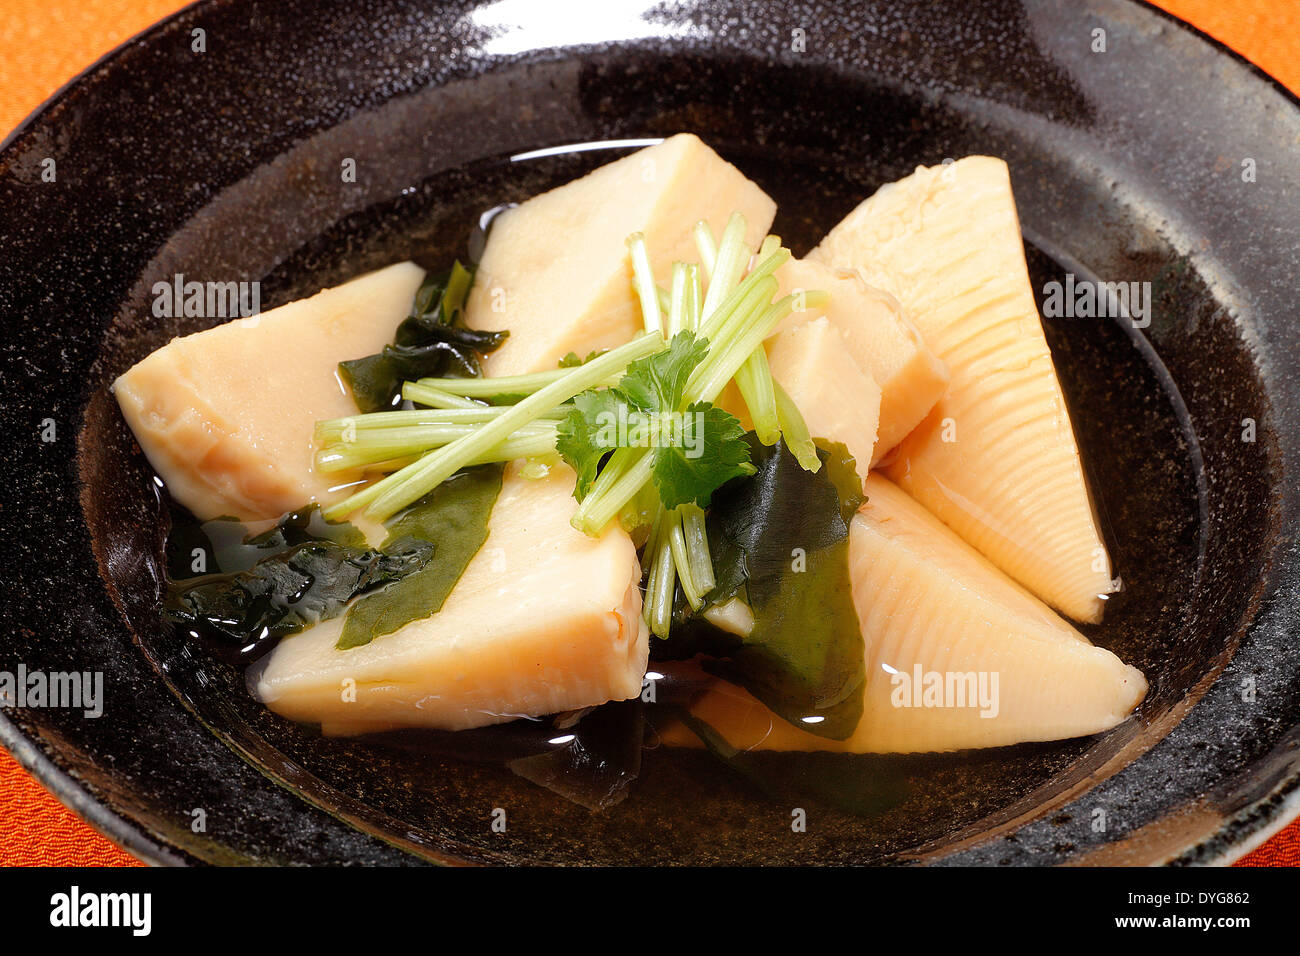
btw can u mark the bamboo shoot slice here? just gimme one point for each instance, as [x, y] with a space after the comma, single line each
[996, 458]
[929, 604]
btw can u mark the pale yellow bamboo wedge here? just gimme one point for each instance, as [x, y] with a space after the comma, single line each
[556, 271]
[226, 415]
[957, 655]
[996, 458]
[544, 619]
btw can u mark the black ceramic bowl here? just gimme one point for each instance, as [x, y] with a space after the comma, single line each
[1128, 166]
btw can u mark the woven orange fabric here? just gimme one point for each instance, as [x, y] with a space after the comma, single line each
[43, 43]
[37, 830]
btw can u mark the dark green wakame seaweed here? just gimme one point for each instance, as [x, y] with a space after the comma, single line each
[264, 587]
[780, 542]
[244, 592]
[454, 517]
[432, 342]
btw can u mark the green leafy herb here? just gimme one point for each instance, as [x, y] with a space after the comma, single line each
[780, 543]
[658, 382]
[452, 520]
[707, 342]
[712, 452]
[573, 361]
[413, 480]
[693, 450]
[654, 426]
[432, 343]
[584, 438]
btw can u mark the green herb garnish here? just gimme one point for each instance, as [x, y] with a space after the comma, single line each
[637, 416]
[693, 450]
[572, 359]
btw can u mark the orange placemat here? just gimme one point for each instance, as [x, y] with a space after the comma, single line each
[37, 830]
[44, 43]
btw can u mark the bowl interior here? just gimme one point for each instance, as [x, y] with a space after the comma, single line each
[226, 167]
[1126, 392]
